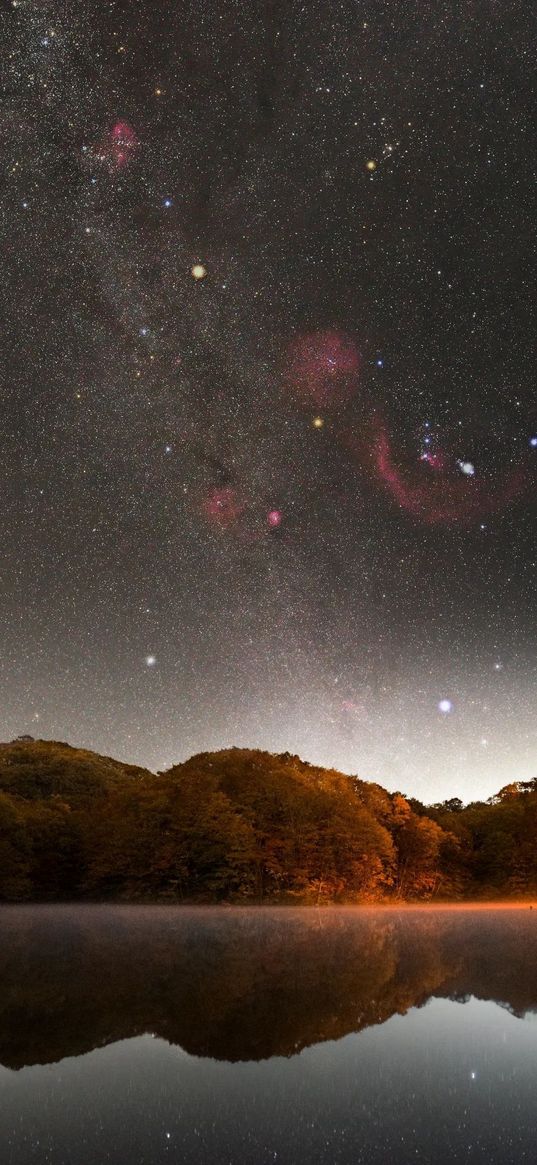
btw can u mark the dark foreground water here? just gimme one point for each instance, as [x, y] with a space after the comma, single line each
[154, 1034]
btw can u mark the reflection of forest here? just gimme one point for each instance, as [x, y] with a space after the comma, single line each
[246, 983]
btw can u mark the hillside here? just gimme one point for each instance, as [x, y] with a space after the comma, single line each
[39, 769]
[246, 826]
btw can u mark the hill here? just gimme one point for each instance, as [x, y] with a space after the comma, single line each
[38, 769]
[246, 825]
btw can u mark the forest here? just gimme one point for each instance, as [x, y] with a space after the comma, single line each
[246, 826]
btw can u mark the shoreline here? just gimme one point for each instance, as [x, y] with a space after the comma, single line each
[284, 907]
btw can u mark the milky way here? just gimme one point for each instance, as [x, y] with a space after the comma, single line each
[268, 445]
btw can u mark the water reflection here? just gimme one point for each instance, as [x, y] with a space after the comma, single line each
[244, 984]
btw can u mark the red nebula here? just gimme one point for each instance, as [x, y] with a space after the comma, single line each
[274, 518]
[123, 144]
[223, 506]
[118, 148]
[437, 460]
[352, 706]
[323, 368]
[443, 498]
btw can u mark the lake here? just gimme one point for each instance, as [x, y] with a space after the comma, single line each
[148, 1034]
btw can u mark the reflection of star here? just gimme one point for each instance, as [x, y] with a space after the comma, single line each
[150, 660]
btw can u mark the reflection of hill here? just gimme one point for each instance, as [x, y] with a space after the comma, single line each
[243, 984]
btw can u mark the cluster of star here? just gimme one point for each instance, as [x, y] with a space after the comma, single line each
[269, 415]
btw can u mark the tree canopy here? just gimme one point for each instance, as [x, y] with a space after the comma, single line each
[246, 825]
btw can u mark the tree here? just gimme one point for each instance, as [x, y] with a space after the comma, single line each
[15, 863]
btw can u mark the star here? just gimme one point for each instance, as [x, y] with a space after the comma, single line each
[254, 538]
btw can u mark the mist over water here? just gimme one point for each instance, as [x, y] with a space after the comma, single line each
[149, 1034]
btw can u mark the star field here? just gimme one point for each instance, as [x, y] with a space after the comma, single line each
[268, 446]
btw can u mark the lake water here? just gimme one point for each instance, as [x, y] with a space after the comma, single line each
[143, 1035]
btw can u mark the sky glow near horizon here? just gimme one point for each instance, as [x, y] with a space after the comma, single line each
[268, 447]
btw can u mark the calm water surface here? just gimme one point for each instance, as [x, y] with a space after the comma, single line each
[143, 1035]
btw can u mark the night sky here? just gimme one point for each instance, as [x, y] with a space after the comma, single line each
[269, 427]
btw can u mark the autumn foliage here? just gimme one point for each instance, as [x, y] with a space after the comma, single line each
[246, 826]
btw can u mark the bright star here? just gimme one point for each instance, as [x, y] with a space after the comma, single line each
[466, 467]
[533, 442]
[150, 660]
[198, 271]
[445, 706]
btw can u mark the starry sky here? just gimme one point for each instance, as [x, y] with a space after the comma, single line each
[269, 429]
